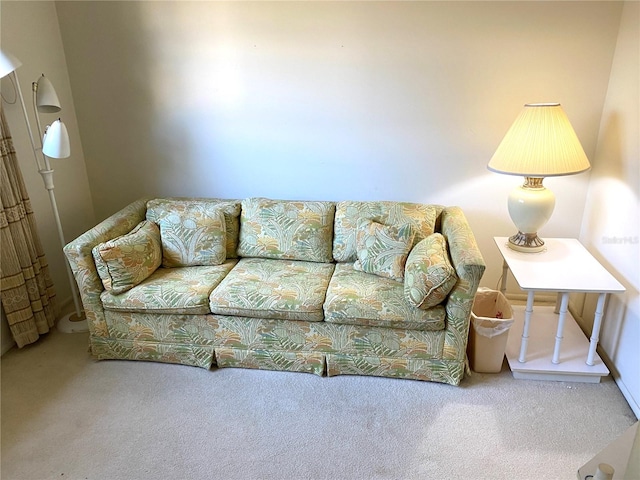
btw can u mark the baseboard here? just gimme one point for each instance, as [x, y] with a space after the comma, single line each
[633, 404]
[6, 346]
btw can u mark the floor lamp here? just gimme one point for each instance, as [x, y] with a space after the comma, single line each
[55, 144]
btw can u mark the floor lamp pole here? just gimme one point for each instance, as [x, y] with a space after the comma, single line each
[47, 176]
[74, 322]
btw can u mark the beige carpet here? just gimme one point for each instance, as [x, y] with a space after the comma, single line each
[65, 416]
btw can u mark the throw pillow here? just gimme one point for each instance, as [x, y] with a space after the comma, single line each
[126, 261]
[429, 275]
[194, 235]
[383, 249]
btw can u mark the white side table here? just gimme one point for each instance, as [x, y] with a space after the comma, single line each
[565, 266]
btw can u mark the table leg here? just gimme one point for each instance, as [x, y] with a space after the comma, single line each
[595, 332]
[564, 306]
[558, 302]
[525, 331]
[505, 271]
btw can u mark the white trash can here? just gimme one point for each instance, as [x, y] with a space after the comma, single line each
[491, 319]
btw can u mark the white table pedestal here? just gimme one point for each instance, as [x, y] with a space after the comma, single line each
[545, 343]
[539, 365]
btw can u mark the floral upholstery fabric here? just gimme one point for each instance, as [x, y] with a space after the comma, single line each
[184, 328]
[160, 207]
[348, 215]
[243, 333]
[80, 257]
[268, 343]
[383, 249]
[444, 371]
[171, 290]
[125, 261]
[270, 288]
[106, 348]
[186, 339]
[470, 266]
[286, 230]
[191, 236]
[306, 362]
[429, 275]
[358, 298]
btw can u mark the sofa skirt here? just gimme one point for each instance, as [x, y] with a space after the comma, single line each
[444, 371]
[336, 364]
[305, 362]
[330, 349]
[311, 347]
[152, 351]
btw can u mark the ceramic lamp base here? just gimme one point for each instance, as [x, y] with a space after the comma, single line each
[526, 242]
[530, 207]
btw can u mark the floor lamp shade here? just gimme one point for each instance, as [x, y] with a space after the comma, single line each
[8, 63]
[55, 143]
[46, 97]
[540, 143]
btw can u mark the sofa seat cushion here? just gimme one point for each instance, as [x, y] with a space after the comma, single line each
[271, 288]
[171, 290]
[359, 298]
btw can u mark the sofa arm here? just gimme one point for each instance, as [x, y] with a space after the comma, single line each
[78, 253]
[469, 265]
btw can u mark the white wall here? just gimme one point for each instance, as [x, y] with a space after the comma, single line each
[611, 226]
[331, 100]
[30, 31]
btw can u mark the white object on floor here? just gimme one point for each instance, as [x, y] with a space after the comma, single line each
[618, 454]
[71, 323]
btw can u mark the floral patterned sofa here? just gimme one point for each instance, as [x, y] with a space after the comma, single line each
[366, 288]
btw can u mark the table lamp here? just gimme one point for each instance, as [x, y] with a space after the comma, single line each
[540, 143]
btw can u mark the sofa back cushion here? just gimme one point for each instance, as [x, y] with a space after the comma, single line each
[290, 230]
[349, 214]
[160, 208]
[195, 237]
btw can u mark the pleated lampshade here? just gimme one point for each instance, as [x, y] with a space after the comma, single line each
[540, 143]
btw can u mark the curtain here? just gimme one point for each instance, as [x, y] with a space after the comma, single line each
[26, 290]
